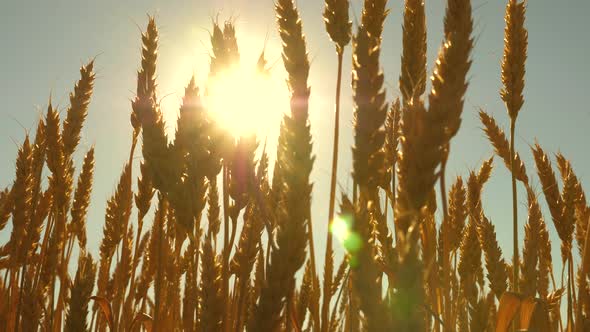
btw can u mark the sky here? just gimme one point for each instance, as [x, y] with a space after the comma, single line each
[45, 42]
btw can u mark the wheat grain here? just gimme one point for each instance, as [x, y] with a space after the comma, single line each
[231, 43]
[513, 61]
[392, 133]
[149, 56]
[38, 160]
[373, 18]
[493, 257]
[369, 115]
[76, 316]
[501, 146]
[412, 79]
[449, 79]
[338, 24]
[82, 198]
[457, 215]
[211, 310]
[418, 160]
[549, 181]
[532, 245]
[32, 306]
[470, 263]
[219, 57]
[304, 297]
[117, 213]
[6, 206]
[78, 110]
[469, 266]
[22, 200]
[365, 275]
[55, 162]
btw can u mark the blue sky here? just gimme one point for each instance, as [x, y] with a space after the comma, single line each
[45, 42]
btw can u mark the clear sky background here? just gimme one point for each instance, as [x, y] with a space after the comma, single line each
[43, 44]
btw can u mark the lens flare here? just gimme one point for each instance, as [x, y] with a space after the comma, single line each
[341, 228]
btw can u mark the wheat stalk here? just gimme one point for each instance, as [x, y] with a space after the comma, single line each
[339, 29]
[513, 64]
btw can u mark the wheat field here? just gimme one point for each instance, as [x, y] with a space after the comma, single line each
[203, 233]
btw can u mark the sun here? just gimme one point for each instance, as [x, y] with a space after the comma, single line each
[245, 101]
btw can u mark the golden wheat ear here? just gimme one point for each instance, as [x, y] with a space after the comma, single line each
[211, 303]
[219, 56]
[369, 113]
[76, 316]
[338, 24]
[531, 247]
[412, 79]
[501, 146]
[231, 43]
[82, 198]
[515, 54]
[78, 110]
[495, 265]
[469, 267]
[6, 204]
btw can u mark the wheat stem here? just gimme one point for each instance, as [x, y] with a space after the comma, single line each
[329, 252]
[516, 260]
[158, 281]
[226, 248]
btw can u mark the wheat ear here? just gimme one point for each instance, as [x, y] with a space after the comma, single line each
[501, 146]
[495, 264]
[449, 78]
[76, 316]
[211, 309]
[412, 79]
[76, 114]
[532, 246]
[82, 198]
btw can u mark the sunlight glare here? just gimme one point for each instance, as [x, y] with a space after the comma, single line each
[244, 101]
